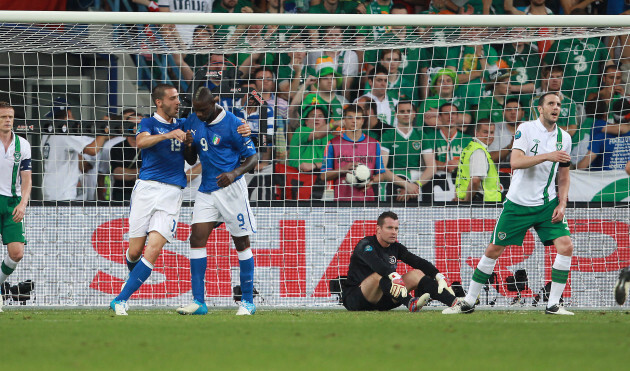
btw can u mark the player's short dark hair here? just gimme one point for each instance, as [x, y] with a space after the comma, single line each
[547, 70]
[4, 104]
[159, 90]
[384, 215]
[514, 100]
[376, 70]
[352, 108]
[129, 112]
[541, 100]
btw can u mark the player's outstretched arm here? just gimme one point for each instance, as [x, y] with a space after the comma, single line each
[520, 161]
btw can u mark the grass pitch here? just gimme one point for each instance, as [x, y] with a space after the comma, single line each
[49, 339]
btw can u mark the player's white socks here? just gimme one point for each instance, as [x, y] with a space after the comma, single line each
[7, 267]
[480, 277]
[559, 276]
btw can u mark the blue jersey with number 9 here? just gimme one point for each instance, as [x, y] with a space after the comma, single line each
[164, 161]
[220, 147]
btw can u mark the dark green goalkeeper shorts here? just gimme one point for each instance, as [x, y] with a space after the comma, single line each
[515, 220]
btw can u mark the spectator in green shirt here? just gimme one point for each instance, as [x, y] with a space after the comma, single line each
[403, 147]
[443, 90]
[309, 140]
[492, 107]
[584, 59]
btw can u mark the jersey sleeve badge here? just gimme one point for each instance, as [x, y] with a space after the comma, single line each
[517, 135]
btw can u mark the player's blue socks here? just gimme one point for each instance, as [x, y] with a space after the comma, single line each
[138, 275]
[198, 264]
[131, 264]
[246, 264]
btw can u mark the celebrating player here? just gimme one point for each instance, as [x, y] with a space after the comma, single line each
[222, 197]
[374, 284]
[15, 190]
[540, 153]
[157, 195]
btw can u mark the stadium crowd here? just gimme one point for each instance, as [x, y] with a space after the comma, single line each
[415, 111]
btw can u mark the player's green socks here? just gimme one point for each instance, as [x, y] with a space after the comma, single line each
[559, 276]
[480, 277]
[7, 267]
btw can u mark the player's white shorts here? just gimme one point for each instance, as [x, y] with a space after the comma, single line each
[154, 206]
[229, 205]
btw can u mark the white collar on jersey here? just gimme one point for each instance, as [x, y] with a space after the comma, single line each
[542, 127]
[161, 119]
[219, 117]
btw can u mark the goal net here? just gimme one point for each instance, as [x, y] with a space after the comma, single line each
[416, 91]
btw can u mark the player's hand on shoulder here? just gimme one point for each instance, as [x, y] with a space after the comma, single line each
[558, 156]
[244, 129]
[225, 179]
[398, 289]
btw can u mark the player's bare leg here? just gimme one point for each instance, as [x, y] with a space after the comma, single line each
[559, 275]
[15, 253]
[134, 252]
[200, 232]
[246, 267]
[373, 292]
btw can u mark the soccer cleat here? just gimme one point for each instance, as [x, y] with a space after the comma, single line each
[195, 308]
[557, 309]
[415, 304]
[119, 307]
[246, 309]
[622, 286]
[460, 306]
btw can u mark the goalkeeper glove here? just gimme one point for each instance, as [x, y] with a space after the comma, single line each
[441, 281]
[398, 288]
[153, 6]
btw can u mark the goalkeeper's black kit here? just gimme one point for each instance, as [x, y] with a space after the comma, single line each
[369, 257]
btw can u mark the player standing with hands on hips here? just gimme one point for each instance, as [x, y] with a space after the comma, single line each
[222, 196]
[15, 191]
[540, 153]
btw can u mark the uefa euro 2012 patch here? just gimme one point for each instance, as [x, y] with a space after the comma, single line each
[368, 248]
[517, 135]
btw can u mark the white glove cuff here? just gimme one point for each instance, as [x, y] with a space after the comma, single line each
[440, 276]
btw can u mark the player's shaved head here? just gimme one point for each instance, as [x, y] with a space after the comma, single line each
[203, 95]
[204, 104]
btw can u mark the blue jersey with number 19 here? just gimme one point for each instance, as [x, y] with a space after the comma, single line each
[220, 147]
[164, 161]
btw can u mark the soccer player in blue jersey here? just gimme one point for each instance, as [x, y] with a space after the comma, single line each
[222, 197]
[157, 195]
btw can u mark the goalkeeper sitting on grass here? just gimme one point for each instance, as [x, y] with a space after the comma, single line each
[373, 283]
